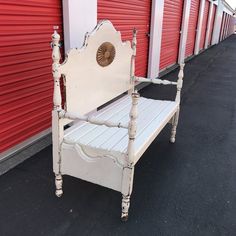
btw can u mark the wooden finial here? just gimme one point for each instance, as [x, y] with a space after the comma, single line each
[56, 56]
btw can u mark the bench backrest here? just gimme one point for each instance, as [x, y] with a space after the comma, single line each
[97, 72]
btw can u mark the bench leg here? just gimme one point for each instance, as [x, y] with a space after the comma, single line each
[125, 207]
[58, 183]
[174, 126]
[127, 186]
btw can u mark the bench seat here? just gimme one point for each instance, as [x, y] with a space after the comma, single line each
[153, 116]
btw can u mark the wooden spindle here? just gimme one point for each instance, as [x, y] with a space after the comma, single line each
[134, 44]
[55, 70]
[175, 118]
[128, 172]
[132, 126]
[179, 82]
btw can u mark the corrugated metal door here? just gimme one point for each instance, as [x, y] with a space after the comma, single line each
[212, 24]
[222, 26]
[25, 60]
[225, 26]
[229, 26]
[231, 29]
[125, 15]
[192, 27]
[171, 32]
[204, 24]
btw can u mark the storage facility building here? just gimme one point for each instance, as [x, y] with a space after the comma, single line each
[169, 32]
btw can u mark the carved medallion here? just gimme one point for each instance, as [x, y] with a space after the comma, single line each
[105, 54]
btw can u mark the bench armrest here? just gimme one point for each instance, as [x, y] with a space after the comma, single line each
[92, 120]
[178, 84]
[154, 81]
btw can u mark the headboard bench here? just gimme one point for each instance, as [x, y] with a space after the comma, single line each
[103, 147]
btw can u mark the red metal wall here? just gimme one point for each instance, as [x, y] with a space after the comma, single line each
[25, 61]
[125, 15]
[192, 27]
[212, 23]
[204, 24]
[171, 32]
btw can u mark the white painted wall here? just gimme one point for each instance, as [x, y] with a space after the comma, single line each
[79, 17]
[184, 31]
[155, 38]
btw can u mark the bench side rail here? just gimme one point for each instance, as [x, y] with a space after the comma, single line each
[178, 84]
[91, 119]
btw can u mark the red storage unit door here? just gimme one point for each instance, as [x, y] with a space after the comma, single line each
[212, 23]
[192, 26]
[172, 18]
[204, 24]
[225, 26]
[231, 25]
[222, 26]
[228, 26]
[26, 82]
[125, 15]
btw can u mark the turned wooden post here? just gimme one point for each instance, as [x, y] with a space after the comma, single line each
[128, 172]
[132, 72]
[56, 56]
[132, 126]
[179, 82]
[56, 126]
[177, 99]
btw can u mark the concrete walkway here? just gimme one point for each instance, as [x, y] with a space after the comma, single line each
[188, 188]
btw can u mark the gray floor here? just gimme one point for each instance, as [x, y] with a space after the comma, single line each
[188, 188]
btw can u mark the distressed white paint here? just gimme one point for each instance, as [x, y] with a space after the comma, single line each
[155, 38]
[79, 17]
[100, 149]
[217, 23]
[56, 56]
[210, 15]
[114, 141]
[154, 81]
[132, 69]
[104, 83]
[199, 27]
[184, 31]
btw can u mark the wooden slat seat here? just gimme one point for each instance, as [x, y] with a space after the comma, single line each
[153, 116]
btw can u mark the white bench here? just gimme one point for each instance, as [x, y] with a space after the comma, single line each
[103, 146]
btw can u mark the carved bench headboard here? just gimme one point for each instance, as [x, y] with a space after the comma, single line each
[97, 72]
